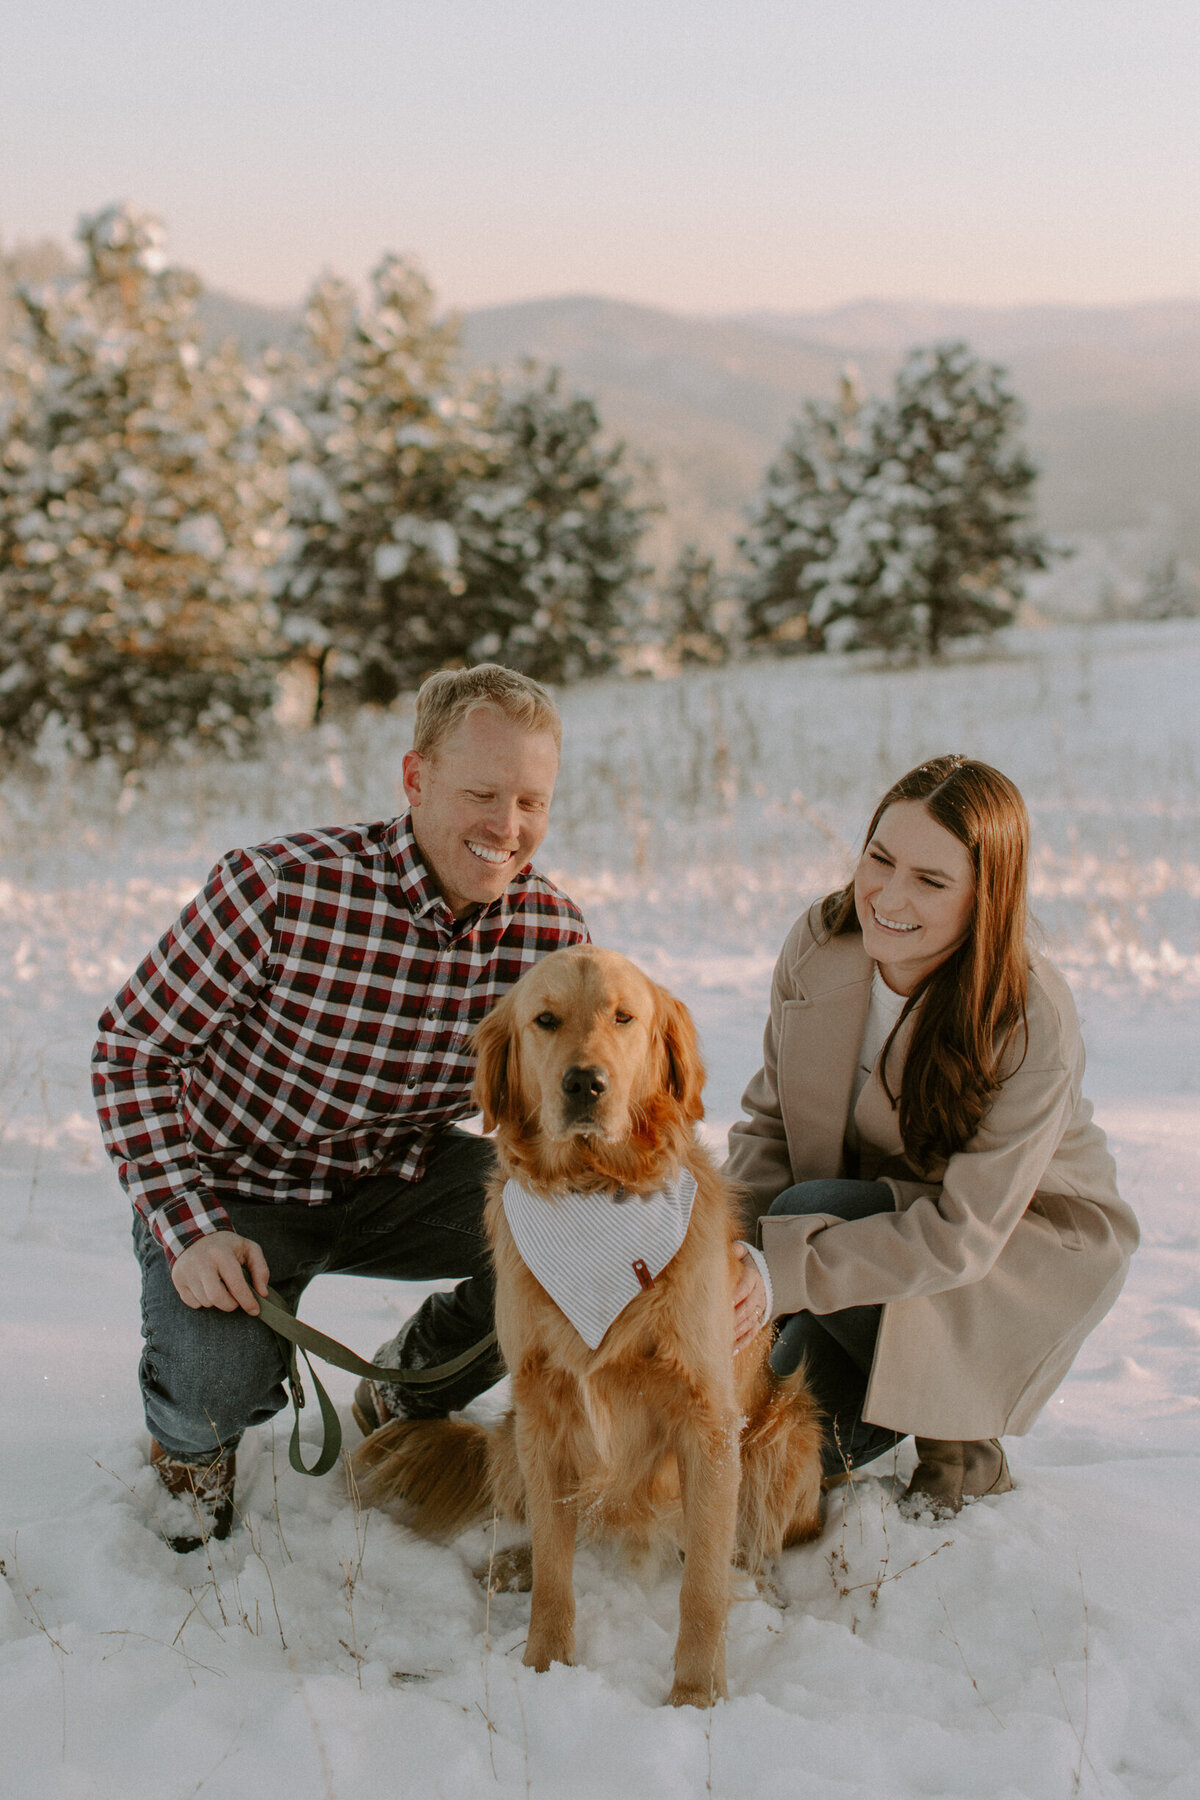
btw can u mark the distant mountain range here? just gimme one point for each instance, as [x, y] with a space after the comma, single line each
[1113, 398]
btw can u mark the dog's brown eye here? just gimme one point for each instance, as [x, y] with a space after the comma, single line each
[547, 1022]
[623, 1018]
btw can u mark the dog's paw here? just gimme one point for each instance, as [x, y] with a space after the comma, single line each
[695, 1693]
[508, 1571]
[549, 1648]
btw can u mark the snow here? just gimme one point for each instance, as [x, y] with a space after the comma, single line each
[1042, 1644]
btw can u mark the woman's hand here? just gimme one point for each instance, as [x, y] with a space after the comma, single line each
[749, 1302]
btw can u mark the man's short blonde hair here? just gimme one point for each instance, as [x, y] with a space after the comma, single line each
[446, 698]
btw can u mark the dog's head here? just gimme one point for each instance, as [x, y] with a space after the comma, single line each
[587, 1061]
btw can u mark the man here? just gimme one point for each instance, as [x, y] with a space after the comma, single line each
[278, 1080]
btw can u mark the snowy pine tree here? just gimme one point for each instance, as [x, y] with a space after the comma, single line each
[141, 492]
[548, 540]
[1167, 593]
[792, 524]
[435, 522]
[699, 611]
[26, 265]
[934, 536]
[373, 596]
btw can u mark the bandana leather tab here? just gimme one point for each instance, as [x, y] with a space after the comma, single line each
[594, 1253]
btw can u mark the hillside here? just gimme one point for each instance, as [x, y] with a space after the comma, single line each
[1113, 397]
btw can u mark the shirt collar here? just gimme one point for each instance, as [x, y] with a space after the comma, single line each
[421, 894]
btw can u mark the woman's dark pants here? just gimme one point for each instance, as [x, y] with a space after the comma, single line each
[837, 1348]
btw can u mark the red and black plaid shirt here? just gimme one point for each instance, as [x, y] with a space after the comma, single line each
[307, 1018]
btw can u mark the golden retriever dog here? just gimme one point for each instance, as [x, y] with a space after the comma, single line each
[591, 1076]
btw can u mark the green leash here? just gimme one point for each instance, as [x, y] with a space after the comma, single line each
[302, 1340]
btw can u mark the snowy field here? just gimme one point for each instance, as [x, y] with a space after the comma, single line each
[1043, 1644]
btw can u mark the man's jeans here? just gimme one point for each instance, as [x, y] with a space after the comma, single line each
[206, 1375]
[837, 1348]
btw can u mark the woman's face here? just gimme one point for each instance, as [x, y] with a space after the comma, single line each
[914, 891]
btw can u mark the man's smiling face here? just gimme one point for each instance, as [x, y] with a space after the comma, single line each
[481, 804]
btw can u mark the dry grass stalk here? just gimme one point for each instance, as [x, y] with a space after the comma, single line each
[1078, 1733]
[58, 1648]
[486, 1708]
[962, 1659]
[352, 1567]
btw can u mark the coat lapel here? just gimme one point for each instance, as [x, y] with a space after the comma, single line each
[821, 1031]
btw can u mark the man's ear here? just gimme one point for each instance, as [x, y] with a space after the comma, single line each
[685, 1070]
[413, 767]
[492, 1042]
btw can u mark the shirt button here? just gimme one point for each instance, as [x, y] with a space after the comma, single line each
[411, 1082]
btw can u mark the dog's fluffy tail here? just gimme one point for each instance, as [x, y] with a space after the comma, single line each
[433, 1475]
[779, 1502]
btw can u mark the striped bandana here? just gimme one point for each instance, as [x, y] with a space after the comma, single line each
[594, 1253]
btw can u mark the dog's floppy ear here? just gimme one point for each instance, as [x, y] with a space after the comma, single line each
[685, 1070]
[493, 1047]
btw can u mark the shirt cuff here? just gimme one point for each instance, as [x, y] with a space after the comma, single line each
[178, 1226]
[760, 1263]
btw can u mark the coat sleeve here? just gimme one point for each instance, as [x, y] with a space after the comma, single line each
[208, 968]
[950, 1233]
[759, 1161]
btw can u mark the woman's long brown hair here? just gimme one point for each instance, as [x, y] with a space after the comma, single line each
[973, 1002]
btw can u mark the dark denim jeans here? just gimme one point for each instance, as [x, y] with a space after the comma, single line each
[837, 1348]
[207, 1375]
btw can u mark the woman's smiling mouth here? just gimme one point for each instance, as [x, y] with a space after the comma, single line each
[891, 924]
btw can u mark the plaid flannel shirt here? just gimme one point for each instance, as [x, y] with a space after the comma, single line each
[306, 1020]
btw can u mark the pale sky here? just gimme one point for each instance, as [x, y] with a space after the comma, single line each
[700, 155]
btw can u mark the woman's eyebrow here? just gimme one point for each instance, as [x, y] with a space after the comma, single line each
[878, 844]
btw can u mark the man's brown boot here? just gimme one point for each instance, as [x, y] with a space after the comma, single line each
[205, 1488]
[370, 1407]
[947, 1473]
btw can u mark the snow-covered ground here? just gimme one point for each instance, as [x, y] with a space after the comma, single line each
[1043, 1644]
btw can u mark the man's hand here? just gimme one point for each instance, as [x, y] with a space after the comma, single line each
[749, 1301]
[209, 1273]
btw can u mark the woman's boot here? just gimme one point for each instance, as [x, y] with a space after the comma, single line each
[947, 1473]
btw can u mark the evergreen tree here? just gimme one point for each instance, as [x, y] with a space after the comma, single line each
[791, 531]
[28, 265]
[373, 594]
[437, 524]
[1167, 593]
[548, 538]
[141, 491]
[698, 610]
[934, 536]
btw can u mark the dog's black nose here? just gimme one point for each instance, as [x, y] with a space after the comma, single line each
[583, 1084]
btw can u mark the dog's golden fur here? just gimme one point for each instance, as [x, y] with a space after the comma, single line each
[591, 1075]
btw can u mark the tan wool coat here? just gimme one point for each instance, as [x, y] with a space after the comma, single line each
[992, 1269]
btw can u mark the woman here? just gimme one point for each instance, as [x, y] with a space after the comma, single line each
[938, 1215]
